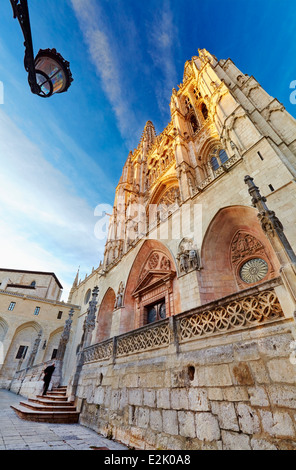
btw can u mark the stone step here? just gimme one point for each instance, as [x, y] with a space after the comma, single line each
[54, 397]
[45, 401]
[46, 407]
[57, 392]
[65, 417]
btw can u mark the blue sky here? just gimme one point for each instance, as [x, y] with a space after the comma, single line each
[61, 157]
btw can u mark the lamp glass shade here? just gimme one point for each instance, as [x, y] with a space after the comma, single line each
[53, 74]
[53, 71]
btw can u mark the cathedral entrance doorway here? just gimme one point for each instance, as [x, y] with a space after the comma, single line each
[152, 290]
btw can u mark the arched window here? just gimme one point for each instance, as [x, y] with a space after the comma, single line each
[204, 111]
[188, 105]
[217, 158]
[194, 123]
[214, 163]
[223, 156]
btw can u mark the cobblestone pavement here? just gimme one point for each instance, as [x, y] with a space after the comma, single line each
[18, 434]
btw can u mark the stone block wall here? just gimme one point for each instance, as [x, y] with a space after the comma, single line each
[224, 390]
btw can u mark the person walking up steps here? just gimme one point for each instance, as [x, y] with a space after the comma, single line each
[47, 377]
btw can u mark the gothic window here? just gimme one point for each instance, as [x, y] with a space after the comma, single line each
[188, 105]
[87, 296]
[254, 270]
[217, 158]
[156, 311]
[214, 163]
[197, 93]
[223, 156]
[22, 351]
[204, 111]
[36, 311]
[54, 354]
[249, 259]
[194, 123]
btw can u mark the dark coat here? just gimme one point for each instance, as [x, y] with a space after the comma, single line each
[48, 373]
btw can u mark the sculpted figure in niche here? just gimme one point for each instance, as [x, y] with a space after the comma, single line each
[187, 256]
[183, 257]
[119, 297]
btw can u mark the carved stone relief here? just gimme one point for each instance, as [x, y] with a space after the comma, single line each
[188, 257]
[249, 259]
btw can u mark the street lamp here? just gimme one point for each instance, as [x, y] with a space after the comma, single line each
[49, 72]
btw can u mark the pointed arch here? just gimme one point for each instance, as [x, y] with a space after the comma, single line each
[220, 275]
[104, 317]
[25, 335]
[52, 344]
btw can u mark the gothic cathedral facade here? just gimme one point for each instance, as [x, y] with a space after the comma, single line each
[183, 231]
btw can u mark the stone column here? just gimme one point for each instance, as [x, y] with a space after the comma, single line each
[90, 320]
[274, 231]
[34, 350]
[65, 337]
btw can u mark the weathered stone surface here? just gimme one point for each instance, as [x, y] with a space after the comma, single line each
[278, 424]
[226, 415]
[156, 420]
[235, 441]
[281, 370]
[258, 396]
[242, 374]
[149, 398]
[186, 423]
[198, 400]
[207, 427]
[261, 444]
[170, 422]
[214, 376]
[179, 399]
[248, 419]
[135, 396]
[163, 397]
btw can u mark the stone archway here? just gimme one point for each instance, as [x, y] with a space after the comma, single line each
[233, 240]
[52, 345]
[104, 318]
[20, 348]
[3, 331]
[152, 282]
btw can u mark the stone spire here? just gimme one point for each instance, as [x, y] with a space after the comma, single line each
[148, 137]
[74, 285]
[273, 229]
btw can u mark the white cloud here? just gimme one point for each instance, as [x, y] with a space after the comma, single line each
[103, 53]
[45, 225]
[163, 39]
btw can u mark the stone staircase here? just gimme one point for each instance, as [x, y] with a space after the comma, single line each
[54, 407]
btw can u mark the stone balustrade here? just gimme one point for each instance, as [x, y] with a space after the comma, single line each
[251, 307]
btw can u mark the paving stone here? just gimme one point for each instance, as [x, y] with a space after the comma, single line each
[18, 434]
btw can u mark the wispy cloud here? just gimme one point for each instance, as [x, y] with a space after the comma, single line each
[45, 224]
[163, 39]
[103, 53]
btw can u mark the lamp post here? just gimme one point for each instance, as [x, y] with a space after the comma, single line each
[49, 72]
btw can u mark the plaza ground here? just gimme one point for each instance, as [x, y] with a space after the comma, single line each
[18, 434]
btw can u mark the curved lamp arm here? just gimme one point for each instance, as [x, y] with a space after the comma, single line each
[21, 12]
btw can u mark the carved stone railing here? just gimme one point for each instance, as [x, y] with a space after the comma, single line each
[99, 352]
[252, 307]
[146, 338]
[250, 310]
